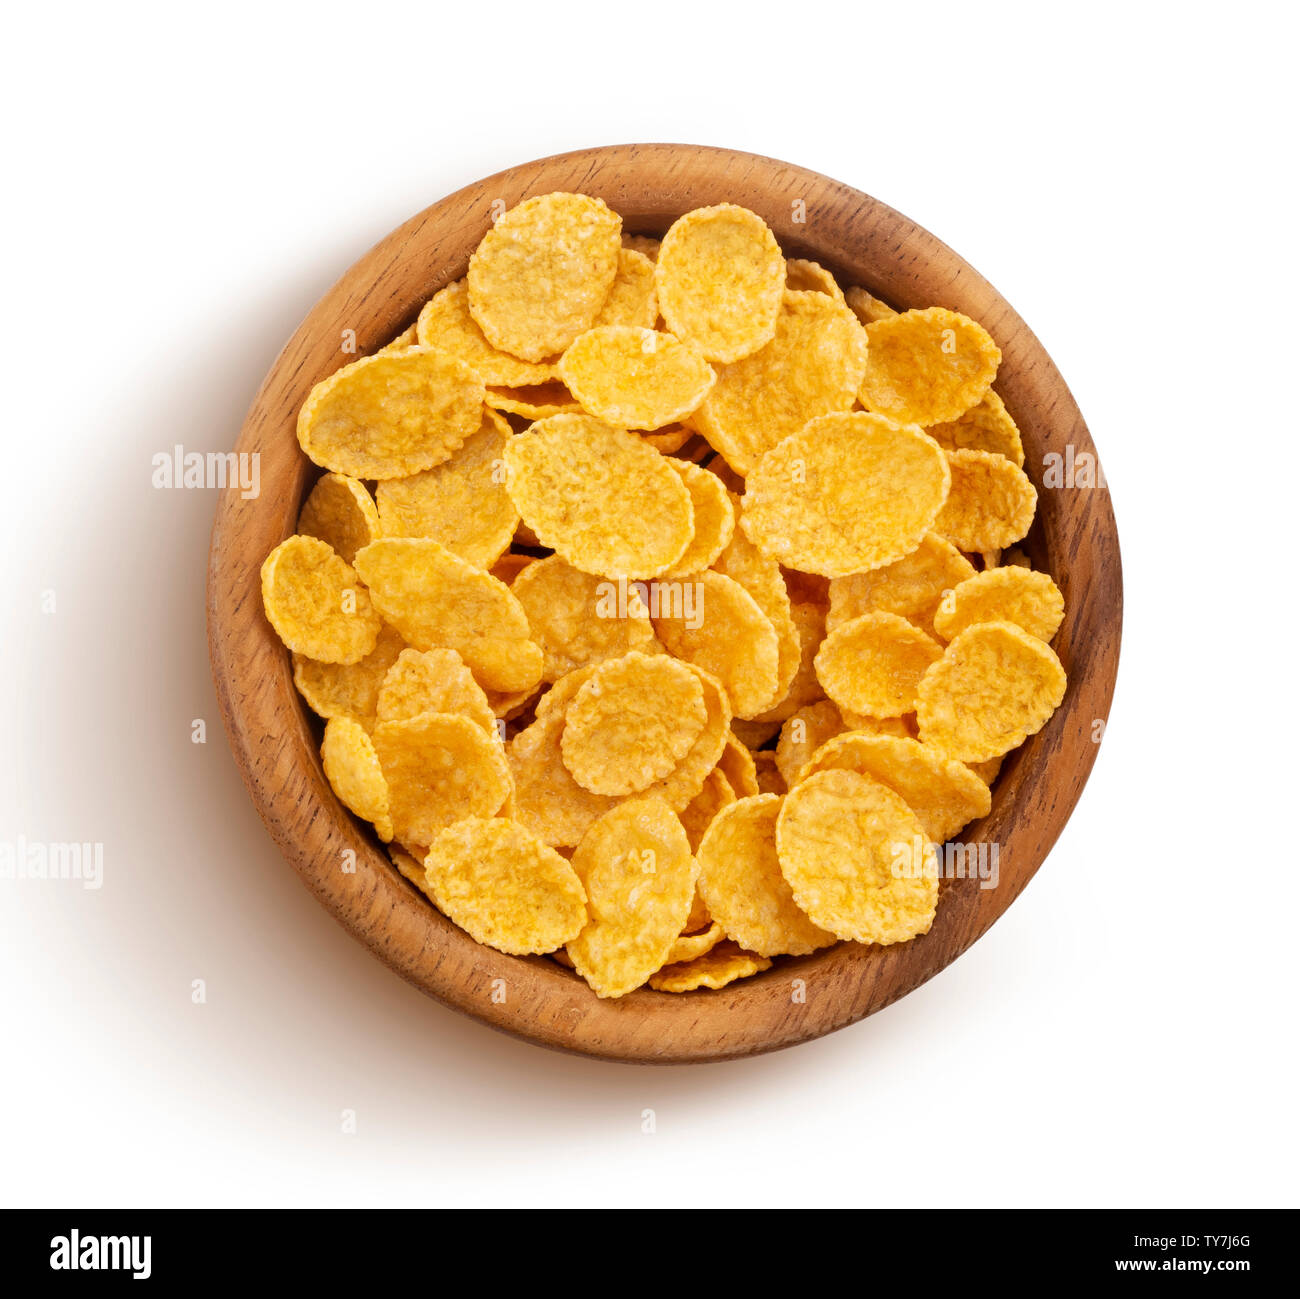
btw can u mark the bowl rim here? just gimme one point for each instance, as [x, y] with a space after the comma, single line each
[271, 736]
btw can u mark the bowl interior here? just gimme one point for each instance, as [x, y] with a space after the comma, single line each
[275, 737]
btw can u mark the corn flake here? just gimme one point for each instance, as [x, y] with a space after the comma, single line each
[809, 624]
[512, 704]
[867, 308]
[803, 733]
[646, 245]
[995, 686]
[760, 575]
[688, 777]
[316, 603]
[670, 438]
[903, 727]
[537, 401]
[440, 769]
[390, 415]
[1019, 595]
[542, 273]
[718, 967]
[848, 493]
[632, 299]
[699, 813]
[636, 866]
[633, 720]
[690, 947]
[713, 517]
[737, 765]
[599, 497]
[433, 681]
[857, 859]
[438, 601]
[802, 275]
[873, 664]
[505, 887]
[733, 640]
[770, 780]
[987, 770]
[340, 512]
[411, 868]
[699, 919]
[926, 367]
[635, 378]
[990, 505]
[986, 427]
[409, 337]
[353, 772]
[720, 276]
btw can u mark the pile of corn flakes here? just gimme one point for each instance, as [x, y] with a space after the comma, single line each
[660, 597]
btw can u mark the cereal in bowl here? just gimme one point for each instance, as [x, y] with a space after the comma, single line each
[664, 599]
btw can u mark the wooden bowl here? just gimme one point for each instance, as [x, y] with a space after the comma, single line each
[275, 738]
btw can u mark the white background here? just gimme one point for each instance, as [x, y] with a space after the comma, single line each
[182, 184]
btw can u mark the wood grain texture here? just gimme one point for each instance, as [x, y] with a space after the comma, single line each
[274, 737]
